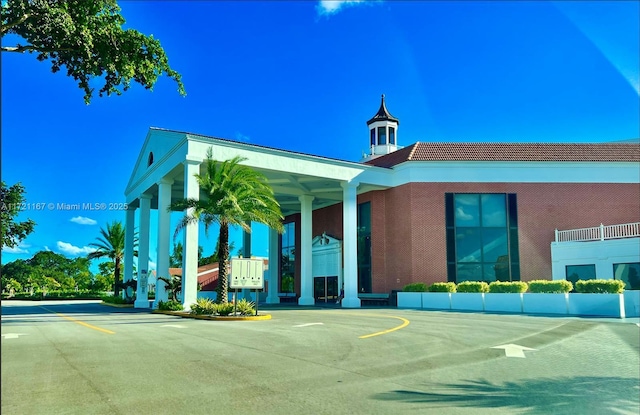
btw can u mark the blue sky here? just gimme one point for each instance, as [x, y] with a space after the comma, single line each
[306, 76]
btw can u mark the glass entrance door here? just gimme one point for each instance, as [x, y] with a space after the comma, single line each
[325, 289]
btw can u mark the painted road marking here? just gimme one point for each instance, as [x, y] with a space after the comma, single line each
[513, 350]
[82, 323]
[13, 335]
[404, 324]
[309, 324]
[177, 326]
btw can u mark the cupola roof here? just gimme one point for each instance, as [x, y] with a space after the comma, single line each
[383, 114]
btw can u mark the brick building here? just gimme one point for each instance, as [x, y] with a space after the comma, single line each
[425, 212]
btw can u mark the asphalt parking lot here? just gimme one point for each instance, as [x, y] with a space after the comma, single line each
[86, 358]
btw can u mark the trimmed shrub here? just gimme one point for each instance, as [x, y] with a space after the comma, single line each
[203, 306]
[508, 287]
[442, 287]
[600, 286]
[112, 299]
[472, 287]
[224, 309]
[170, 305]
[415, 287]
[548, 286]
[245, 308]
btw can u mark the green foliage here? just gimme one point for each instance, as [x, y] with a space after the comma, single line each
[236, 195]
[87, 38]
[600, 286]
[224, 309]
[203, 306]
[12, 202]
[245, 307]
[549, 286]
[508, 287]
[173, 286]
[112, 299]
[472, 287]
[170, 305]
[416, 287]
[111, 245]
[442, 287]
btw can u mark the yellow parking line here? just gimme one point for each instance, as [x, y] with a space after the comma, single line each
[82, 323]
[404, 324]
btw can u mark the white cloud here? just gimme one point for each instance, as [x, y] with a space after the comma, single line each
[81, 220]
[330, 7]
[67, 248]
[20, 249]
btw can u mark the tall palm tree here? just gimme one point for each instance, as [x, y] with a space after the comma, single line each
[236, 195]
[111, 245]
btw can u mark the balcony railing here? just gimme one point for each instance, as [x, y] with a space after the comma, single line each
[599, 233]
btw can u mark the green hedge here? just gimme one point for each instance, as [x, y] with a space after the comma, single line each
[416, 287]
[442, 287]
[112, 299]
[508, 287]
[600, 286]
[548, 286]
[472, 287]
[170, 305]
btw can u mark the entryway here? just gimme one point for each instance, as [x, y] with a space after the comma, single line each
[325, 289]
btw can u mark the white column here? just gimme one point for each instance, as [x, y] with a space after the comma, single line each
[162, 253]
[129, 242]
[274, 268]
[142, 294]
[306, 277]
[350, 244]
[190, 244]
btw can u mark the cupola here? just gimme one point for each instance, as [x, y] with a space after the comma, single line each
[383, 133]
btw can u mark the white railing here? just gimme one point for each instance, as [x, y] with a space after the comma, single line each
[599, 233]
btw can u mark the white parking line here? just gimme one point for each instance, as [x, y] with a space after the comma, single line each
[309, 324]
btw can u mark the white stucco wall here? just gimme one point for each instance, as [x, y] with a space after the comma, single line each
[603, 254]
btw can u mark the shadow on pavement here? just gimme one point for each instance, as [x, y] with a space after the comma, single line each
[562, 395]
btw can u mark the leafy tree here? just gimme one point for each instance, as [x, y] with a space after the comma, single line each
[11, 201]
[12, 285]
[104, 279]
[111, 245]
[236, 195]
[18, 270]
[86, 36]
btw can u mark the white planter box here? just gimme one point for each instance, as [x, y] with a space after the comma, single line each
[543, 303]
[504, 302]
[436, 301]
[409, 300]
[606, 305]
[467, 301]
[632, 303]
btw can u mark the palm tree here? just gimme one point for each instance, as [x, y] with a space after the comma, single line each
[236, 195]
[172, 285]
[111, 245]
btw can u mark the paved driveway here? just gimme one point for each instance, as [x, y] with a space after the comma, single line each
[86, 358]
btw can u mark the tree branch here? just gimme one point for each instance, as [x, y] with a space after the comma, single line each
[5, 27]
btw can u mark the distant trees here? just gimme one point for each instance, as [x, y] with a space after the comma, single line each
[12, 201]
[87, 38]
[47, 271]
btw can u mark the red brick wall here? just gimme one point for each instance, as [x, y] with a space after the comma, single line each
[415, 249]
[408, 224]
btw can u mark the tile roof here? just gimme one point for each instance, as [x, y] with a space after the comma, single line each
[420, 151]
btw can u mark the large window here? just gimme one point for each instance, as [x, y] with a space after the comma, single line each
[364, 247]
[382, 135]
[482, 237]
[373, 136]
[629, 273]
[392, 135]
[288, 255]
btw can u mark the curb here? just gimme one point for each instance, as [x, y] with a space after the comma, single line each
[118, 305]
[213, 318]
